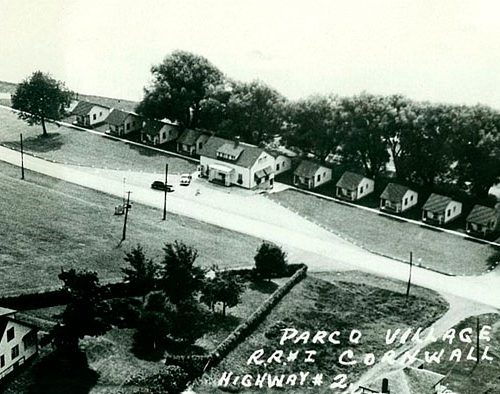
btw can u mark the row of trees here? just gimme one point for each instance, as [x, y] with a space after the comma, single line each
[430, 143]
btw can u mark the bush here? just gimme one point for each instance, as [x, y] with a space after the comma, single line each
[270, 260]
[172, 380]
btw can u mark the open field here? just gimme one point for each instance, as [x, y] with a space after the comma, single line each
[71, 146]
[48, 224]
[315, 305]
[392, 237]
[466, 376]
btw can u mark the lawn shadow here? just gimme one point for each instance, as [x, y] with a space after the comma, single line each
[39, 144]
[494, 260]
[264, 286]
[57, 375]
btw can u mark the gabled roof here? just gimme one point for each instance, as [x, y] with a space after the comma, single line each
[152, 126]
[6, 311]
[247, 157]
[437, 203]
[83, 108]
[307, 169]
[116, 117]
[394, 192]
[408, 381]
[481, 214]
[350, 180]
[189, 137]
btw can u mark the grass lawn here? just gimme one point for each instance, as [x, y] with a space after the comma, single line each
[392, 237]
[315, 304]
[47, 224]
[66, 145]
[465, 376]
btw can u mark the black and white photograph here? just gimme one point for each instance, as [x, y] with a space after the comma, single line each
[262, 197]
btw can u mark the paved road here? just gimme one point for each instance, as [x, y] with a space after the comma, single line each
[258, 216]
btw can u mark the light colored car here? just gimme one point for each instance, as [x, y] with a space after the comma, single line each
[185, 179]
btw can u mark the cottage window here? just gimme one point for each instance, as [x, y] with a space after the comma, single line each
[361, 190]
[128, 126]
[10, 334]
[94, 116]
[448, 212]
[411, 197]
[29, 340]
[318, 178]
[278, 167]
[100, 113]
[164, 135]
[2, 361]
[454, 207]
[240, 178]
[406, 200]
[14, 352]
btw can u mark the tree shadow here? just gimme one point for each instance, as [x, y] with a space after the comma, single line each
[493, 260]
[39, 144]
[58, 374]
[264, 286]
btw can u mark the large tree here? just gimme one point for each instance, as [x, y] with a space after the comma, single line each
[40, 98]
[141, 272]
[476, 149]
[270, 260]
[180, 277]
[86, 312]
[253, 111]
[179, 85]
[362, 126]
[311, 125]
[224, 288]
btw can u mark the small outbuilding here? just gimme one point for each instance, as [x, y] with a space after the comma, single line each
[156, 132]
[310, 175]
[482, 220]
[121, 122]
[352, 186]
[191, 142]
[397, 198]
[440, 209]
[90, 114]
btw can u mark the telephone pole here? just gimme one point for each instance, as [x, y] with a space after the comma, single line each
[127, 206]
[409, 277]
[22, 157]
[165, 194]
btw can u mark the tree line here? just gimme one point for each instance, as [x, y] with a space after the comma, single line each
[430, 144]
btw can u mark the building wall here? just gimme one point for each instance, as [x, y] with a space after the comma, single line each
[282, 164]
[410, 199]
[6, 347]
[168, 133]
[132, 123]
[325, 175]
[264, 160]
[100, 114]
[453, 210]
[205, 162]
[365, 187]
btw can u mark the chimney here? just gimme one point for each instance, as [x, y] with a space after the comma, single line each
[385, 386]
[236, 141]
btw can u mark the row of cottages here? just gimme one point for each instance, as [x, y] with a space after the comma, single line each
[236, 163]
[18, 342]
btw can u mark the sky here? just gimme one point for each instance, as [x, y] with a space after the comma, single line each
[436, 50]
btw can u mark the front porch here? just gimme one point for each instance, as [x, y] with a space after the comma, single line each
[221, 175]
[433, 217]
[390, 206]
[346, 194]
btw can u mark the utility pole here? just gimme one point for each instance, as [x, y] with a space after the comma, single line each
[409, 277]
[127, 205]
[165, 193]
[22, 157]
[477, 337]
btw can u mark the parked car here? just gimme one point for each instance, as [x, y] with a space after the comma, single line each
[185, 179]
[159, 185]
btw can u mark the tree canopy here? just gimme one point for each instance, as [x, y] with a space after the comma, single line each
[85, 313]
[39, 98]
[142, 272]
[179, 84]
[270, 260]
[180, 278]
